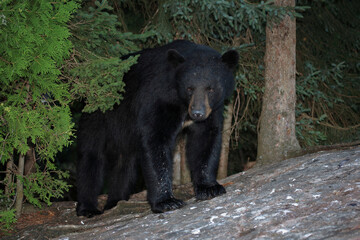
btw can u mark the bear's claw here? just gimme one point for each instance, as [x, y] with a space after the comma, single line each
[167, 205]
[204, 192]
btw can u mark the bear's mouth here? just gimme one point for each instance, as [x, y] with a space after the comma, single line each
[198, 116]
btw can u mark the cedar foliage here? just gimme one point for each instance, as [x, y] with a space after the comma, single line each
[96, 69]
[33, 100]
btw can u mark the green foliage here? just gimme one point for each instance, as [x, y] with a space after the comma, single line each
[103, 90]
[306, 132]
[7, 214]
[313, 83]
[49, 127]
[96, 31]
[333, 24]
[33, 99]
[209, 21]
[7, 219]
[96, 70]
[322, 102]
[44, 185]
[328, 64]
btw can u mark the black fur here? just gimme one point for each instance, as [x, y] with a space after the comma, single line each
[168, 85]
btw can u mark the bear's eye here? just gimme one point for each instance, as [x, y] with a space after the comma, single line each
[210, 89]
[190, 89]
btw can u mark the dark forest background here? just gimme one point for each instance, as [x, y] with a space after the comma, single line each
[327, 58]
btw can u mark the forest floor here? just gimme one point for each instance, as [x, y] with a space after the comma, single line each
[315, 196]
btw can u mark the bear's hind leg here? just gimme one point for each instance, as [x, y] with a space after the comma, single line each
[90, 172]
[122, 182]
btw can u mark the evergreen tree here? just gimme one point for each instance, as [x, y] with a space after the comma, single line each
[34, 109]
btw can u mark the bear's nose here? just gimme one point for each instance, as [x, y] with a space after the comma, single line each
[197, 115]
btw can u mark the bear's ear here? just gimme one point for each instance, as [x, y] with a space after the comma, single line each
[231, 58]
[174, 57]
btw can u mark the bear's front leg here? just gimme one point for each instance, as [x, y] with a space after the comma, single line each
[157, 168]
[158, 141]
[203, 153]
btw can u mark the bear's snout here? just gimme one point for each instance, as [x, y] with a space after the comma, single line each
[199, 108]
[197, 115]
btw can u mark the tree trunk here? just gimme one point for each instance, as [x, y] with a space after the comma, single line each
[19, 186]
[177, 164]
[226, 133]
[277, 122]
[185, 172]
[9, 175]
[30, 161]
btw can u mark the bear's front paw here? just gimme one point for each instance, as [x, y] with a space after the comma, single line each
[204, 192]
[167, 205]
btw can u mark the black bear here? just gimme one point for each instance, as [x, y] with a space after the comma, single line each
[170, 85]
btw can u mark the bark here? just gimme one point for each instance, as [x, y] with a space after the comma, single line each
[177, 166]
[9, 175]
[226, 134]
[19, 186]
[181, 173]
[277, 137]
[185, 172]
[30, 161]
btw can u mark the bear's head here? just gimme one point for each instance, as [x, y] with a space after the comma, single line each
[204, 79]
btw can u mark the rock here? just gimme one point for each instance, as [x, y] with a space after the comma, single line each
[315, 196]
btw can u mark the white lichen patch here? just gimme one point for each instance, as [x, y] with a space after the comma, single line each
[282, 231]
[196, 231]
[241, 209]
[225, 214]
[349, 189]
[213, 218]
[286, 211]
[316, 196]
[261, 217]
